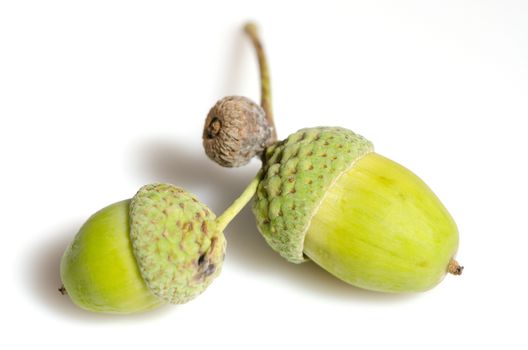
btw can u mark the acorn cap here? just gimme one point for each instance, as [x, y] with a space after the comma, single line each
[174, 238]
[235, 131]
[297, 173]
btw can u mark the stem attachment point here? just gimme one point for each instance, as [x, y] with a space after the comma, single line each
[63, 290]
[454, 268]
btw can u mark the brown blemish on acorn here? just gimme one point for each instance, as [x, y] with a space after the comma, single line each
[201, 259]
[204, 227]
[206, 266]
[211, 268]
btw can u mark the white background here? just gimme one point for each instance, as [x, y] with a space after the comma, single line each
[100, 97]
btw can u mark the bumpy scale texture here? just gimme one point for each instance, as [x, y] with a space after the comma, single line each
[297, 173]
[177, 247]
[236, 130]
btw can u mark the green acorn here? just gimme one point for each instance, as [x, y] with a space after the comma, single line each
[162, 246]
[325, 195]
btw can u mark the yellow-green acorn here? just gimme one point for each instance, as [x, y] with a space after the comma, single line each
[162, 246]
[326, 196]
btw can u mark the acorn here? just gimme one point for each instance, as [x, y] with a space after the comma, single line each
[325, 195]
[162, 246]
[236, 130]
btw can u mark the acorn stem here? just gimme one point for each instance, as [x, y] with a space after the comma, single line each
[454, 268]
[229, 214]
[63, 290]
[265, 87]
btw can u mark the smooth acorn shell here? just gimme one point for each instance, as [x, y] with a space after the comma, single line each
[380, 227]
[99, 269]
[326, 196]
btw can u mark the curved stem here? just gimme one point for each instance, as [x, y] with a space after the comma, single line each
[229, 214]
[265, 86]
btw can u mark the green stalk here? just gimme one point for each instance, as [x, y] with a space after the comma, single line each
[229, 214]
[265, 86]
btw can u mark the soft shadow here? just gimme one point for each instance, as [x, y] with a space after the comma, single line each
[177, 163]
[238, 53]
[43, 279]
[191, 169]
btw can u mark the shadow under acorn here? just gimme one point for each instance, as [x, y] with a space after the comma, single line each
[180, 165]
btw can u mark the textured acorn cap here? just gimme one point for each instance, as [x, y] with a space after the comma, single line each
[297, 173]
[177, 247]
[235, 131]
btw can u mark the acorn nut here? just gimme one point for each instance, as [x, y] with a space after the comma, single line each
[162, 246]
[327, 196]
